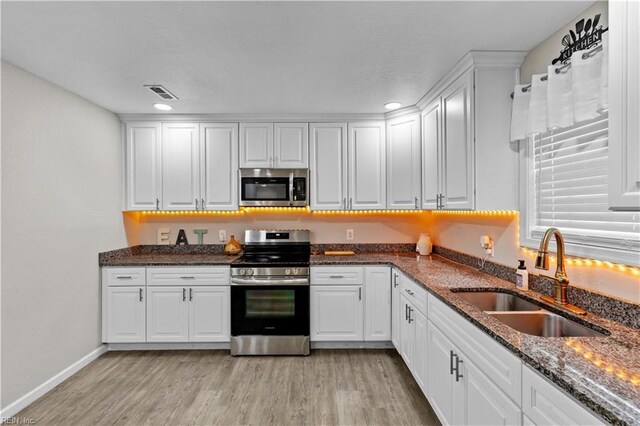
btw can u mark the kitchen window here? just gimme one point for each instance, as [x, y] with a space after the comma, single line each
[565, 185]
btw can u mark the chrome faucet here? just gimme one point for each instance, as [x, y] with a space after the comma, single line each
[561, 279]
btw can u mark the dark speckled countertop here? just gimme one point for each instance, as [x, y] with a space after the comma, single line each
[601, 372]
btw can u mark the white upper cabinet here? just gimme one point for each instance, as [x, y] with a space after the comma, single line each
[624, 105]
[367, 174]
[468, 162]
[143, 165]
[219, 166]
[180, 166]
[403, 163]
[431, 147]
[458, 164]
[256, 145]
[291, 145]
[328, 168]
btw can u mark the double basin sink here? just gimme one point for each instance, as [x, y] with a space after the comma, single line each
[525, 316]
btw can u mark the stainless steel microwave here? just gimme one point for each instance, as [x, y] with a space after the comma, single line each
[274, 187]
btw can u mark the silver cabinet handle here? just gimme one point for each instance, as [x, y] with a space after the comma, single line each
[406, 312]
[157, 204]
[408, 291]
[124, 277]
[187, 277]
[140, 293]
[344, 203]
[202, 204]
[416, 203]
[336, 276]
[450, 362]
[359, 293]
[276, 162]
[184, 294]
[350, 203]
[190, 294]
[458, 374]
[410, 319]
[395, 280]
[196, 204]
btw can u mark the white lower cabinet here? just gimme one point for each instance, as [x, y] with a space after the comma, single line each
[167, 314]
[396, 304]
[440, 387]
[209, 315]
[377, 318]
[337, 313]
[413, 341]
[125, 314]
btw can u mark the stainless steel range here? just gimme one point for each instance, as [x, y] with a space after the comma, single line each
[270, 294]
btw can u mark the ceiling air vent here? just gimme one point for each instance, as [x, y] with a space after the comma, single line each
[161, 91]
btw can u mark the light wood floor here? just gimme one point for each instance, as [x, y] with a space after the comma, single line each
[345, 387]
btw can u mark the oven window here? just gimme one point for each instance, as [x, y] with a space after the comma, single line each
[270, 303]
[265, 189]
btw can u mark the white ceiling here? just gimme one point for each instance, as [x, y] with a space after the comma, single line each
[264, 57]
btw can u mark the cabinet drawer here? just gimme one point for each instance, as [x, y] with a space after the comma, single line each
[123, 277]
[188, 276]
[544, 404]
[338, 275]
[495, 361]
[414, 293]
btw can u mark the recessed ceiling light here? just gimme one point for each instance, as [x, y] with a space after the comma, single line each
[392, 105]
[163, 107]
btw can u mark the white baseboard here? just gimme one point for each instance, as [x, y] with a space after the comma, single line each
[352, 345]
[168, 346]
[29, 398]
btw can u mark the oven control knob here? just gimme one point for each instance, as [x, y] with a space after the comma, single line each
[296, 271]
[249, 271]
[287, 271]
[243, 271]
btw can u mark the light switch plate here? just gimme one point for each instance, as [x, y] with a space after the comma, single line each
[222, 235]
[349, 234]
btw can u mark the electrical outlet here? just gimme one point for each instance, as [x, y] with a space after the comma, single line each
[487, 244]
[222, 235]
[349, 234]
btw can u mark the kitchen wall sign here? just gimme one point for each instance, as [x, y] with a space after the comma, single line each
[587, 34]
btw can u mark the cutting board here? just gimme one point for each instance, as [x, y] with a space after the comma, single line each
[339, 253]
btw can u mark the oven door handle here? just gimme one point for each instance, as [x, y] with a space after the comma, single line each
[268, 282]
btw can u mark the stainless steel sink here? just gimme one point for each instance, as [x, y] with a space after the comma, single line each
[544, 323]
[496, 301]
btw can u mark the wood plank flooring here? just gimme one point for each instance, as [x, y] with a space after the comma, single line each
[330, 387]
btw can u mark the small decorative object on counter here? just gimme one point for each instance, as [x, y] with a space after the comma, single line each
[522, 276]
[424, 245]
[182, 238]
[232, 247]
[200, 233]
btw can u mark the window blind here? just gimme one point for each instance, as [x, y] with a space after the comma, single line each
[571, 170]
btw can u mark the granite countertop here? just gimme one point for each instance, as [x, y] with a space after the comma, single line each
[601, 372]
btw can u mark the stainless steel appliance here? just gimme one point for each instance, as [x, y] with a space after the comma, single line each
[270, 294]
[274, 187]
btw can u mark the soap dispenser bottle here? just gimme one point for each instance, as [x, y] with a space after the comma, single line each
[522, 276]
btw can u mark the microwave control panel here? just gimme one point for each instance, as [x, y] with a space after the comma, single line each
[299, 189]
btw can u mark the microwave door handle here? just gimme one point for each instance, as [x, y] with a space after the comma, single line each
[291, 188]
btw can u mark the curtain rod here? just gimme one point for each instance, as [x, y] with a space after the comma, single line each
[558, 70]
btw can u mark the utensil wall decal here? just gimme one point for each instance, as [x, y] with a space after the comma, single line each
[587, 34]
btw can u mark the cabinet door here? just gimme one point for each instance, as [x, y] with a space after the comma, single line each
[458, 155]
[291, 145]
[407, 334]
[420, 349]
[337, 313]
[143, 164]
[440, 386]
[328, 168]
[431, 155]
[403, 163]
[125, 315]
[219, 165]
[377, 293]
[367, 180]
[484, 403]
[180, 166]
[167, 314]
[624, 110]
[396, 309]
[256, 145]
[209, 314]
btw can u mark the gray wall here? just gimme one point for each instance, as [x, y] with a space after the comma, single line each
[541, 56]
[61, 205]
